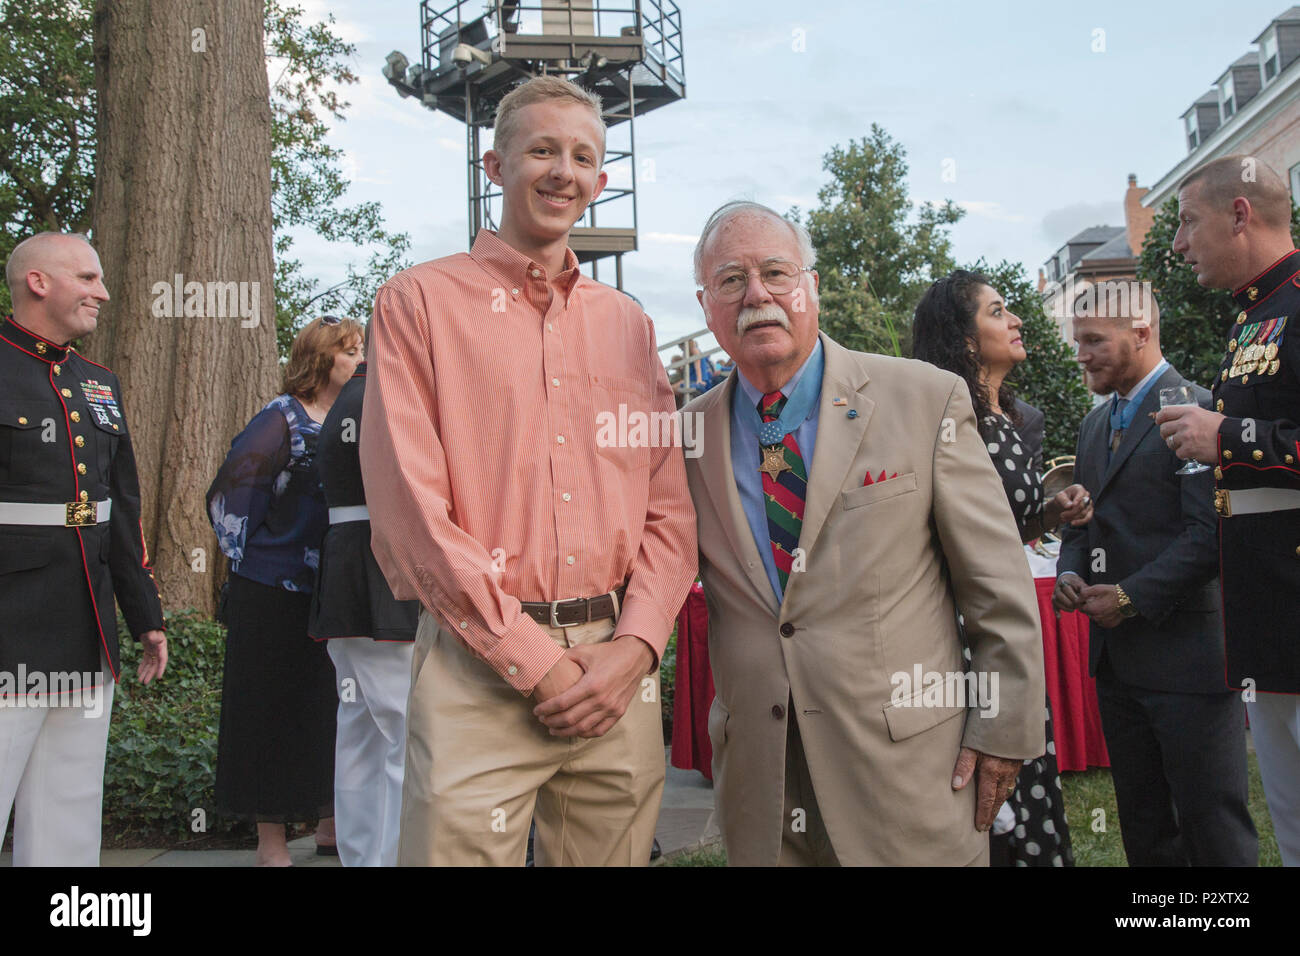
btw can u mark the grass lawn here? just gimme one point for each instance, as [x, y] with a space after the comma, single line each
[1094, 823]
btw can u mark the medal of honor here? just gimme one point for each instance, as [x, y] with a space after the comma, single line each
[774, 461]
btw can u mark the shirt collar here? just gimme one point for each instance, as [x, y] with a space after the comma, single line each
[755, 396]
[1136, 389]
[1254, 292]
[515, 270]
[30, 342]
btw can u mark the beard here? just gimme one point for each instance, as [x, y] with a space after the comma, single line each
[750, 316]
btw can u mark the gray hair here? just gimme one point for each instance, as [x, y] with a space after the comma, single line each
[740, 207]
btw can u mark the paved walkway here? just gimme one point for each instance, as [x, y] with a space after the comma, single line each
[683, 821]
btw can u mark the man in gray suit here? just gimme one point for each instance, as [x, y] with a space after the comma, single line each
[1145, 571]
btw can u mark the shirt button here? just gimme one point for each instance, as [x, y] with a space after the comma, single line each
[566, 496]
[570, 559]
[536, 273]
[514, 291]
[549, 327]
[512, 670]
[778, 711]
[555, 382]
[464, 625]
[67, 393]
[79, 441]
[559, 439]
[787, 629]
[75, 416]
[81, 467]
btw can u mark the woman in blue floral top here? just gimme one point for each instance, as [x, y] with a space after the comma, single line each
[275, 753]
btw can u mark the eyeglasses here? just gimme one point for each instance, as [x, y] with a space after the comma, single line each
[778, 277]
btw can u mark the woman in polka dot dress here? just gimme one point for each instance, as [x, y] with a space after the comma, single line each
[963, 325]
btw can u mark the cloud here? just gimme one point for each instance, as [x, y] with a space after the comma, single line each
[1058, 225]
[672, 238]
[987, 209]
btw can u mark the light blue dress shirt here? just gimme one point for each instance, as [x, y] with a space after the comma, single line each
[745, 457]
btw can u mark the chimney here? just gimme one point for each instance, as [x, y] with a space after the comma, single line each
[1042, 281]
[1137, 218]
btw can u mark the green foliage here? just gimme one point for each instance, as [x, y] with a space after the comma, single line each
[1194, 321]
[47, 149]
[874, 258]
[1050, 379]
[668, 683]
[47, 120]
[162, 742]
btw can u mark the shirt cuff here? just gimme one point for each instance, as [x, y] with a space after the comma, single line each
[524, 655]
[641, 619]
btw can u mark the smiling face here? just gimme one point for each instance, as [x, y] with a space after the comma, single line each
[1206, 238]
[769, 335]
[67, 285]
[548, 171]
[997, 330]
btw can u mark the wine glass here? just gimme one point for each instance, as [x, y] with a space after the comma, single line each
[1182, 395]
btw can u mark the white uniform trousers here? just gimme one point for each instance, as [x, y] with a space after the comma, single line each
[52, 775]
[374, 680]
[1275, 727]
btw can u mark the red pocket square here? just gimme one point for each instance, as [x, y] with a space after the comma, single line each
[871, 481]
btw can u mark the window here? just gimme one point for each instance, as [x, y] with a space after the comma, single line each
[1268, 55]
[1227, 100]
[1193, 131]
[1295, 182]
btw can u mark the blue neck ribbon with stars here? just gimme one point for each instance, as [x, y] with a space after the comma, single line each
[798, 405]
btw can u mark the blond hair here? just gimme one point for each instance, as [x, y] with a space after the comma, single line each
[1229, 177]
[539, 90]
[311, 358]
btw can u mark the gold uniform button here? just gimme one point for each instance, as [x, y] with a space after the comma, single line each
[1290, 459]
[1227, 454]
[66, 392]
[1218, 406]
[84, 496]
[1297, 552]
[1257, 455]
[115, 426]
[22, 419]
[1245, 379]
[80, 442]
[1241, 319]
[40, 348]
[57, 369]
[75, 416]
[1232, 346]
[1218, 473]
[1252, 293]
[1223, 376]
[81, 467]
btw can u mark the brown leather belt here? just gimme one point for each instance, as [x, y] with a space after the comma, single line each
[576, 611]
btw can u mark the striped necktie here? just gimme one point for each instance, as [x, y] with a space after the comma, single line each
[784, 495]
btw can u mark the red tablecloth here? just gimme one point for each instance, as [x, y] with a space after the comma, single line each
[1076, 721]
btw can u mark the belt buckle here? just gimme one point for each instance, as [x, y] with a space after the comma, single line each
[1222, 503]
[556, 623]
[80, 514]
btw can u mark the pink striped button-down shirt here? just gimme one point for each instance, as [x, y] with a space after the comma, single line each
[489, 470]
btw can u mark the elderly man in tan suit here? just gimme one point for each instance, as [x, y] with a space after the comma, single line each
[848, 510]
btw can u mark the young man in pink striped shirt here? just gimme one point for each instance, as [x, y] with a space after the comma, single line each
[492, 502]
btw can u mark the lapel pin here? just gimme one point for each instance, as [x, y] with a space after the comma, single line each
[839, 401]
[853, 413]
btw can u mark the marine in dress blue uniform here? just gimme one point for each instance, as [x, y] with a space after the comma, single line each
[70, 542]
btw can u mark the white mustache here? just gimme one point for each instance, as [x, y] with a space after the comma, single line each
[766, 313]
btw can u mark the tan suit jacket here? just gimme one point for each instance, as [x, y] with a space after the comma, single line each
[887, 567]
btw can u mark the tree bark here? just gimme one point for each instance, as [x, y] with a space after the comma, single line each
[183, 187]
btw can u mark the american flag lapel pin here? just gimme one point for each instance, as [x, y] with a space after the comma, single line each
[839, 401]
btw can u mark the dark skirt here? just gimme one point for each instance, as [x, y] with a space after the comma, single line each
[1042, 835]
[275, 754]
[352, 597]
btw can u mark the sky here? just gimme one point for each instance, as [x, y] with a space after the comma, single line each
[1030, 116]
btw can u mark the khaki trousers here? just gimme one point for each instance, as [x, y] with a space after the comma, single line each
[479, 766]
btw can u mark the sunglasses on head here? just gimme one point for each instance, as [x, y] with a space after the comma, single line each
[330, 320]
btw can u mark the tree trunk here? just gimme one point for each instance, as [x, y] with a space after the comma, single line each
[183, 188]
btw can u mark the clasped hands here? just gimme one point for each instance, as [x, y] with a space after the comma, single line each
[1072, 504]
[588, 689]
[1099, 601]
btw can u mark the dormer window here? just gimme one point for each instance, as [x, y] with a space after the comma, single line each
[1268, 55]
[1227, 99]
[1193, 131]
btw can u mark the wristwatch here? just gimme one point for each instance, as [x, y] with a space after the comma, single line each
[1126, 608]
